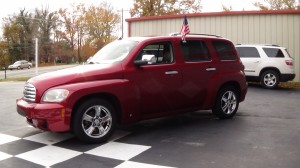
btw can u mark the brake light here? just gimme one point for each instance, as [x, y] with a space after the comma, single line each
[289, 62]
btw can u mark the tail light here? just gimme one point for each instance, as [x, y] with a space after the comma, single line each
[289, 62]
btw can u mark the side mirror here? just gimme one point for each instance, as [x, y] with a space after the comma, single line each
[139, 63]
[146, 59]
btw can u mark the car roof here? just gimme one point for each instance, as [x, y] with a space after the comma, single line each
[176, 36]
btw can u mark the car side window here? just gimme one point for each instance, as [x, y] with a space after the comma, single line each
[248, 52]
[157, 53]
[194, 51]
[273, 52]
[224, 49]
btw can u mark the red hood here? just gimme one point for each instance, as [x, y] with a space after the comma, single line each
[78, 74]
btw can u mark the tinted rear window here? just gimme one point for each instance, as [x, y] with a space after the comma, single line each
[247, 52]
[273, 52]
[194, 51]
[225, 50]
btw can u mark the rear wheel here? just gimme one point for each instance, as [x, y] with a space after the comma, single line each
[269, 79]
[227, 103]
[94, 121]
[29, 66]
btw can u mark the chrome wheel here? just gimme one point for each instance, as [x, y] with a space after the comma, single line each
[96, 121]
[228, 102]
[270, 80]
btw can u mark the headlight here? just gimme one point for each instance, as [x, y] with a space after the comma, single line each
[55, 95]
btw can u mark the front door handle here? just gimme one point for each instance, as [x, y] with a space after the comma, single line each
[171, 72]
[211, 69]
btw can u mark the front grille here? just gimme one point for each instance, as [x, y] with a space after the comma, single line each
[29, 92]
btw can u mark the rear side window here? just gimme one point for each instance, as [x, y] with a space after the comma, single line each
[273, 52]
[247, 52]
[225, 50]
[194, 51]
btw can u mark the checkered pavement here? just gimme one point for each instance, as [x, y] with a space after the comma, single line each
[31, 148]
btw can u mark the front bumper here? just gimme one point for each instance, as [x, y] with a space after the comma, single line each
[48, 116]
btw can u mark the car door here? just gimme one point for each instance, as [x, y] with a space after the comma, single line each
[251, 59]
[158, 82]
[197, 71]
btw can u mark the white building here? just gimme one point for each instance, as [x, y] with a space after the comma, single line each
[246, 27]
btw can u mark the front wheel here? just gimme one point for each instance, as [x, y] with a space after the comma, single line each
[227, 103]
[94, 121]
[29, 66]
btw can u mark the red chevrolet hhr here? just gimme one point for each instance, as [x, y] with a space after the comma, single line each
[135, 79]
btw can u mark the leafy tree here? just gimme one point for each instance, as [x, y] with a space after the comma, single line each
[18, 31]
[11, 36]
[3, 54]
[226, 9]
[101, 22]
[164, 7]
[277, 5]
[47, 22]
[26, 25]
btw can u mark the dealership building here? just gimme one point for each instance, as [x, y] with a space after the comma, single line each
[241, 27]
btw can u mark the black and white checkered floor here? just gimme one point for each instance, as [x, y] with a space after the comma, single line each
[31, 148]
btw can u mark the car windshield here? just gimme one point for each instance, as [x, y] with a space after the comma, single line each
[18, 62]
[113, 52]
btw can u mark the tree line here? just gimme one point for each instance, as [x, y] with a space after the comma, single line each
[66, 35]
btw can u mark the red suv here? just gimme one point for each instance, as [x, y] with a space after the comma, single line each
[135, 79]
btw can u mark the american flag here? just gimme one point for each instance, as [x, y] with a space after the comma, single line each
[184, 28]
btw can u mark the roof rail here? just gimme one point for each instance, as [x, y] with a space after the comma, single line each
[273, 45]
[177, 34]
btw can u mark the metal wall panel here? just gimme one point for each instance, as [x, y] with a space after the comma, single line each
[271, 28]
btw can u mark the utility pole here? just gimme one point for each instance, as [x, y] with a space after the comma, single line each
[36, 55]
[122, 23]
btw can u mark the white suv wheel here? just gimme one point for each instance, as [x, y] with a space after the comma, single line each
[269, 79]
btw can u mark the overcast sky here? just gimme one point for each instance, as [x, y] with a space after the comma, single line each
[9, 7]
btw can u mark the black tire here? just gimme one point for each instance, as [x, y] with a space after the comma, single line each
[18, 68]
[269, 79]
[227, 103]
[29, 66]
[91, 125]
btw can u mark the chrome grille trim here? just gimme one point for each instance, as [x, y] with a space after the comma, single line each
[29, 92]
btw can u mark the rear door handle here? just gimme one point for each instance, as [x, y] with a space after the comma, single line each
[211, 69]
[171, 72]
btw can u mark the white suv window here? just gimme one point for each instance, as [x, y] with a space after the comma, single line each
[273, 52]
[248, 52]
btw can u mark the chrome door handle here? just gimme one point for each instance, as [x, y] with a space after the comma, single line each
[171, 72]
[211, 69]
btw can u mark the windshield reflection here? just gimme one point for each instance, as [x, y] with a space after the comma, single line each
[113, 52]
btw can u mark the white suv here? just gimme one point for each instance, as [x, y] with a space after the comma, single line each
[267, 64]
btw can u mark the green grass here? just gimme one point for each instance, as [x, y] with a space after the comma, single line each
[15, 79]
